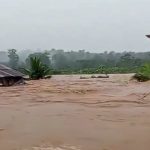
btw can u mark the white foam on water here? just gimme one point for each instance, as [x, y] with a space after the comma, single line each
[64, 147]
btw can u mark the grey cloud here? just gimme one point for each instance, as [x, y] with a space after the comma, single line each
[96, 25]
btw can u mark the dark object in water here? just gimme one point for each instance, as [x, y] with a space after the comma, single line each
[93, 76]
[84, 77]
[101, 76]
[48, 77]
[106, 76]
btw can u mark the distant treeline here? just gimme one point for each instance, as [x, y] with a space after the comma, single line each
[62, 62]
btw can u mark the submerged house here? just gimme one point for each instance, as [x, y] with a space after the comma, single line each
[9, 77]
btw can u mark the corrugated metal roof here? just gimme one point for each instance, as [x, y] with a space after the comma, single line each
[8, 72]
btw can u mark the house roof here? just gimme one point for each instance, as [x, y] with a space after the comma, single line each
[8, 72]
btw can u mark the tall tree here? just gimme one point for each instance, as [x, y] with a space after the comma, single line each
[13, 58]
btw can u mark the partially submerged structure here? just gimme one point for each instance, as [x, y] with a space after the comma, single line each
[9, 77]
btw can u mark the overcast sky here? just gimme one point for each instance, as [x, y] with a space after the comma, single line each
[94, 25]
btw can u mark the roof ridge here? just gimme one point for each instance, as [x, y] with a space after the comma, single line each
[7, 71]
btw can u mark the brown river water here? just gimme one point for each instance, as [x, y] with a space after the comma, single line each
[69, 113]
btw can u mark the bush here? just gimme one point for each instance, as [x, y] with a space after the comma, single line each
[143, 73]
[37, 69]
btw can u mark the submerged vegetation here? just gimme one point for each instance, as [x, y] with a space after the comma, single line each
[144, 73]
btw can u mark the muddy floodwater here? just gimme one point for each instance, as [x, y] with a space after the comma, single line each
[69, 113]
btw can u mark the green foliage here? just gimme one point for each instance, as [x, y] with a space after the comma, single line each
[129, 61]
[13, 58]
[99, 70]
[44, 58]
[143, 73]
[60, 61]
[84, 60]
[78, 62]
[37, 69]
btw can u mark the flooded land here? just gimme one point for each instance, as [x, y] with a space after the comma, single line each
[69, 113]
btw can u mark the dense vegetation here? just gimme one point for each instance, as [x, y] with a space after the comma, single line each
[77, 62]
[143, 73]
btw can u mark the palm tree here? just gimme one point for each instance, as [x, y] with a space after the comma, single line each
[37, 69]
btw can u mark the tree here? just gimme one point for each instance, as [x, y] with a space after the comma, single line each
[37, 69]
[44, 58]
[13, 58]
[60, 61]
